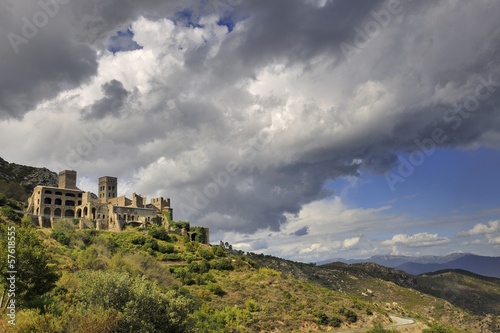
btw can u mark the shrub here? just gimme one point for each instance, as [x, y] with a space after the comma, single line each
[10, 214]
[222, 265]
[206, 253]
[335, 321]
[133, 297]
[218, 251]
[38, 271]
[166, 248]
[437, 328]
[3, 199]
[216, 289]
[321, 317]
[150, 244]
[350, 315]
[378, 328]
[159, 233]
[138, 240]
[251, 305]
[89, 259]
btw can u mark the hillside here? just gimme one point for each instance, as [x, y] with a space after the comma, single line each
[17, 181]
[487, 266]
[215, 288]
[478, 294]
[396, 291]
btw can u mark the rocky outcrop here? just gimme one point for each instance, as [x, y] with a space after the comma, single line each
[26, 176]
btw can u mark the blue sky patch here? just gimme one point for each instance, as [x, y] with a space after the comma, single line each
[122, 41]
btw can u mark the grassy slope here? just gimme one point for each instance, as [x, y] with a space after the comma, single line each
[479, 294]
[258, 294]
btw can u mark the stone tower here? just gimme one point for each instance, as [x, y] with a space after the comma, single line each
[108, 188]
[67, 179]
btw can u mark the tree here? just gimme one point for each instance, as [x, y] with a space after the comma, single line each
[36, 270]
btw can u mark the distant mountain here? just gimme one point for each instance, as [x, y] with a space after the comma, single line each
[486, 266]
[17, 181]
[395, 261]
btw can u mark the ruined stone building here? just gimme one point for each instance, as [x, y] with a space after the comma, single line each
[107, 211]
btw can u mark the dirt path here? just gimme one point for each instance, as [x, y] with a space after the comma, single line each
[398, 322]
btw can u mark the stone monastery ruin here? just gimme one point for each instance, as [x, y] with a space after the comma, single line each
[105, 211]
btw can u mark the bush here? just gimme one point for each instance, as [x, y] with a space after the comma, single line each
[62, 232]
[138, 240]
[10, 214]
[159, 233]
[350, 315]
[335, 321]
[89, 259]
[218, 251]
[38, 272]
[378, 328]
[166, 248]
[133, 297]
[222, 265]
[206, 253]
[150, 244]
[438, 328]
[321, 317]
[216, 289]
[251, 305]
[3, 199]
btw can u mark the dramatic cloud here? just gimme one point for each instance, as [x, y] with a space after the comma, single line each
[418, 240]
[244, 111]
[111, 104]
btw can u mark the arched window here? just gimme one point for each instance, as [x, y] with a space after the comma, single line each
[69, 213]
[70, 195]
[48, 192]
[58, 202]
[47, 201]
[58, 213]
[46, 212]
[58, 193]
[79, 213]
[69, 203]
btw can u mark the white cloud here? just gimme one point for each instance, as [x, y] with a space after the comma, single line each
[483, 229]
[350, 242]
[417, 240]
[493, 239]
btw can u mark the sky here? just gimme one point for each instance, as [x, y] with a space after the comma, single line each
[305, 129]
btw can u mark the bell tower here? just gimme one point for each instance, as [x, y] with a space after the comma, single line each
[108, 188]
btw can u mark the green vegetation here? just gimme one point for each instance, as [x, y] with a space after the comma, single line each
[39, 273]
[379, 328]
[152, 281]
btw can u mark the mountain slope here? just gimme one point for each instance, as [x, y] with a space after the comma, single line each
[17, 181]
[487, 266]
[476, 293]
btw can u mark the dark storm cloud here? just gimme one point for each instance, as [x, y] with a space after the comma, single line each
[301, 232]
[49, 46]
[112, 103]
[332, 116]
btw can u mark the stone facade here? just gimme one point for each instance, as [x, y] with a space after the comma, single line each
[107, 211]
